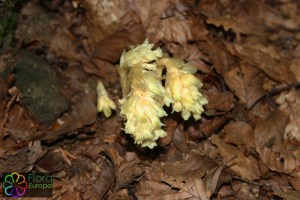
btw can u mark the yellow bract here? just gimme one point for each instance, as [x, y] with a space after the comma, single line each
[105, 104]
[143, 114]
[183, 87]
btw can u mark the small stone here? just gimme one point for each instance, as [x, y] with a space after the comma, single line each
[39, 88]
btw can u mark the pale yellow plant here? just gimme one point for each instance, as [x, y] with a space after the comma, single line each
[105, 104]
[183, 87]
[144, 95]
[143, 115]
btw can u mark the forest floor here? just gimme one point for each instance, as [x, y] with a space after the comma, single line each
[247, 55]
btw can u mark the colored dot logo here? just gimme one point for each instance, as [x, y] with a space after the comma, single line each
[14, 185]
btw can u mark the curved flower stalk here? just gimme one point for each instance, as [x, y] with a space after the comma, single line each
[105, 104]
[183, 87]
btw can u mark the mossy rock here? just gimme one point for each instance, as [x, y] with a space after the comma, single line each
[39, 88]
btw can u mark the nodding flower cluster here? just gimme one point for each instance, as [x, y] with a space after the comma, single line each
[144, 94]
[105, 104]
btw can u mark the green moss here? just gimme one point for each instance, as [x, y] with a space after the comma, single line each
[7, 29]
[270, 143]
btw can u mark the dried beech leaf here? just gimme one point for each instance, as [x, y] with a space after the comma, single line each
[217, 54]
[174, 29]
[294, 180]
[222, 101]
[246, 167]
[212, 125]
[243, 190]
[111, 48]
[187, 175]
[83, 114]
[51, 162]
[270, 145]
[229, 22]
[288, 194]
[211, 179]
[19, 124]
[149, 190]
[120, 195]
[179, 140]
[290, 103]
[147, 10]
[246, 83]
[239, 133]
[129, 172]
[266, 59]
[90, 176]
[191, 186]
[191, 163]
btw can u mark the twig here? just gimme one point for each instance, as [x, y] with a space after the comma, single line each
[276, 91]
[251, 182]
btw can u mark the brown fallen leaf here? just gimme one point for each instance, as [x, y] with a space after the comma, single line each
[120, 195]
[174, 29]
[83, 114]
[111, 48]
[294, 180]
[190, 163]
[239, 133]
[129, 172]
[246, 167]
[16, 162]
[149, 190]
[296, 62]
[267, 59]
[295, 68]
[161, 23]
[220, 101]
[290, 103]
[195, 175]
[243, 190]
[189, 52]
[210, 126]
[97, 163]
[19, 126]
[149, 11]
[288, 194]
[171, 127]
[191, 186]
[269, 142]
[225, 191]
[216, 53]
[51, 163]
[211, 179]
[230, 22]
[246, 83]
[179, 140]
